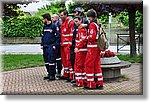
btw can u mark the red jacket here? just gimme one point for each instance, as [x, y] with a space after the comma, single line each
[66, 30]
[81, 39]
[92, 35]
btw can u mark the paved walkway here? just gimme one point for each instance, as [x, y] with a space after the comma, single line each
[30, 81]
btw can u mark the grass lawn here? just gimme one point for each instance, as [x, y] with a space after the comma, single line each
[126, 57]
[18, 61]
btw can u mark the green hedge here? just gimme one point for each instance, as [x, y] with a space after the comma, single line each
[25, 26]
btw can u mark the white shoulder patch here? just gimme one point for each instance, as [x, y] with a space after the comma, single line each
[57, 28]
[91, 31]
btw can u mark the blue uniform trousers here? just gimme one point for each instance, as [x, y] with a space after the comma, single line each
[50, 59]
[58, 60]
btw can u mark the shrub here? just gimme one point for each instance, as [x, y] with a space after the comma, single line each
[25, 26]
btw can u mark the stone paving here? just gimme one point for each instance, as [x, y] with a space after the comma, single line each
[30, 82]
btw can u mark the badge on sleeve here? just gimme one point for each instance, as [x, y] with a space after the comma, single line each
[91, 31]
[65, 30]
[57, 28]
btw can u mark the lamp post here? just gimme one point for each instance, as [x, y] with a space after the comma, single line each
[109, 25]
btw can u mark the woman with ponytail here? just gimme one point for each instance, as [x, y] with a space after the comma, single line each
[92, 62]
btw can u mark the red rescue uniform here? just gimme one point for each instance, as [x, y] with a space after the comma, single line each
[66, 30]
[92, 61]
[81, 45]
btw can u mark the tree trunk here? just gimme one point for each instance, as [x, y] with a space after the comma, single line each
[132, 31]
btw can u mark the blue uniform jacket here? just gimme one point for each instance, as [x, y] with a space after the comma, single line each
[58, 35]
[58, 24]
[50, 35]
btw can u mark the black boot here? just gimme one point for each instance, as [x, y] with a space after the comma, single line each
[68, 80]
[58, 76]
[99, 87]
[51, 78]
[73, 81]
[46, 77]
[52, 72]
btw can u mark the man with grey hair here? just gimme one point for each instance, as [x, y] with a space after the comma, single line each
[56, 19]
[57, 23]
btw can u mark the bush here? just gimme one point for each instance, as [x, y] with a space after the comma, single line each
[25, 26]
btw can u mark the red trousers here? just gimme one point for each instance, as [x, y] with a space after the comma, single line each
[65, 55]
[79, 68]
[93, 68]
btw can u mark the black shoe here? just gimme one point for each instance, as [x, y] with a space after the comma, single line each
[85, 87]
[99, 87]
[58, 75]
[68, 80]
[45, 78]
[62, 78]
[51, 78]
[73, 81]
[74, 85]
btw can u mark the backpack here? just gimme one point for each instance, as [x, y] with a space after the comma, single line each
[102, 41]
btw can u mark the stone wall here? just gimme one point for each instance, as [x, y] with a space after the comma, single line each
[21, 40]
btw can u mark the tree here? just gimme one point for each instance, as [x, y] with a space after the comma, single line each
[115, 8]
[11, 10]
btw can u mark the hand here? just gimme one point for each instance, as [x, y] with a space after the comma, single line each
[82, 25]
[41, 47]
[54, 47]
[76, 50]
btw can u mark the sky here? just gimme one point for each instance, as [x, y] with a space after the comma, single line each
[34, 6]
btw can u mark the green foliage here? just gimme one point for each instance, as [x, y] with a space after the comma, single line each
[12, 10]
[19, 61]
[29, 26]
[22, 26]
[139, 22]
[54, 8]
[41, 12]
[124, 18]
[138, 59]
[103, 18]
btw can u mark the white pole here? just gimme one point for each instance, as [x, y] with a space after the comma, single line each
[109, 23]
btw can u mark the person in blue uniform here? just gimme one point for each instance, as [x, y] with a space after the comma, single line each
[56, 20]
[50, 40]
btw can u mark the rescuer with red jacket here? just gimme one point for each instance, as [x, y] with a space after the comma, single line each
[80, 50]
[66, 30]
[92, 61]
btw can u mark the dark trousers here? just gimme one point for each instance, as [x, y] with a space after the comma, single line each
[72, 57]
[50, 60]
[58, 60]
